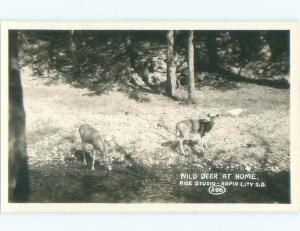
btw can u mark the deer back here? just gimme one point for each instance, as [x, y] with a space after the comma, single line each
[91, 136]
[98, 143]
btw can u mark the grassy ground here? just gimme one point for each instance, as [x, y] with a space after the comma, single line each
[141, 140]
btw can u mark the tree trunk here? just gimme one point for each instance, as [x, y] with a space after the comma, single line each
[171, 68]
[18, 167]
[212, 51]
[51, 53]
[74, 55]
[191, 82]
[129, 51]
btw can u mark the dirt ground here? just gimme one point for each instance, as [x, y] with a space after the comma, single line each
[140, 137]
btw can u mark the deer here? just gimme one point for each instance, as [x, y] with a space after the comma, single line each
[186, 127]
[89, 135]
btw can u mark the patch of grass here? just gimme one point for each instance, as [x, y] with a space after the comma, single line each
[141, 138]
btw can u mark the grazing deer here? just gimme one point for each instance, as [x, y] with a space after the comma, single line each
[91, 136]
[185, 127]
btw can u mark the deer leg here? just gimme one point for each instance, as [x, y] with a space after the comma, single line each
[180, 140]
[202, 145]
[109, 164]
[84, 151]
[108, 161]
[94, 156]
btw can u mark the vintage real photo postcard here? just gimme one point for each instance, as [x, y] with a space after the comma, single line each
[150, 116]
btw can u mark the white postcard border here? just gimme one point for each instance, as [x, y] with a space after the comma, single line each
[294, 28]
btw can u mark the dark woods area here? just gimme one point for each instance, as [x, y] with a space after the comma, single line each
[141, 59]
[165, 76]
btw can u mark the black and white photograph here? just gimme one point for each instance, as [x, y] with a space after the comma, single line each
[134, 116]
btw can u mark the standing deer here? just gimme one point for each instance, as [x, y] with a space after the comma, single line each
[185, 127]
[89, 135]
